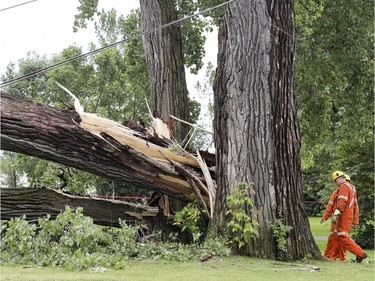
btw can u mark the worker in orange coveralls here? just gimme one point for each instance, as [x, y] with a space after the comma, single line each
[356, 208]
[343, 216]
[334, 249]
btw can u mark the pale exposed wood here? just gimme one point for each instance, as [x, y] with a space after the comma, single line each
[97, 125]
[52, 134]
[164, 205]
[55, 135]
[159, 128]
[194, 182]
[163, 166]
[192, 125]
[211, 185]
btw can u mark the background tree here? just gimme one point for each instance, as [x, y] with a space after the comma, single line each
[164, 56]
[113, 84]
[256, 130]
[10, 174]
[168, 51]
[335, 78]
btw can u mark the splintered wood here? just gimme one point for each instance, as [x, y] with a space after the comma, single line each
[178, 169]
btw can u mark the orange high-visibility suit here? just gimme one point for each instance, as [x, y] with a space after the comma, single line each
[334, 248]
[348, 206]
[356, 208]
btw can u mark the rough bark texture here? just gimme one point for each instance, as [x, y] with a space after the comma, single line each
[38, 202]
[256, 129]
[164, 58]
[51, 134]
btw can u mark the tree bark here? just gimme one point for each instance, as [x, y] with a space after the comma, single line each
[165, 60]
[55, 135]
[256, 130]
[38, 202]
[166, 69]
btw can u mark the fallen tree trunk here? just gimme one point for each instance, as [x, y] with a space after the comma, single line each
[96, 145]
[38, 202]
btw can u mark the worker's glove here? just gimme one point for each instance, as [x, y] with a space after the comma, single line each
[336, 216]
[337, 212]
[322, 221]
[355, 226]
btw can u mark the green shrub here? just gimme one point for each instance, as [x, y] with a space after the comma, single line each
[241, 227]
[17, 243]
[188, 219]
[217, 247]
[279, 232]
[73, 241]
[365, 234]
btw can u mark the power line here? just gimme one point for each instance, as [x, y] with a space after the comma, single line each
[11, 7]
[12, 81]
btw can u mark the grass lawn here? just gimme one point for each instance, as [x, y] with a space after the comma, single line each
[227, 269]
[319, 229]
[215, 269]
[322, 232]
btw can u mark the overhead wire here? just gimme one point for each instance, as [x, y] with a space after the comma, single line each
[14, 6]
[43, 70]
[35, 73]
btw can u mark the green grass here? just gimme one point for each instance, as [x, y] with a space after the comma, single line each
[323, 230]
[319, 229]
[228, 269]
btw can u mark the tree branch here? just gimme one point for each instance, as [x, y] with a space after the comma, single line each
[38, 202]
[93, 144]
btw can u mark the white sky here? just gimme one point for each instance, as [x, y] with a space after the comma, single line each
[46, 27]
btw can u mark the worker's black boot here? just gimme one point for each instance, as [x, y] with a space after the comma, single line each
[359, 259]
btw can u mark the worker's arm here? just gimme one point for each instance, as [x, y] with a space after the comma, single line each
[329, 207]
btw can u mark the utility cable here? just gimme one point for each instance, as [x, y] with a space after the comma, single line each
[43, 70]
[12, 81]
[8, 8]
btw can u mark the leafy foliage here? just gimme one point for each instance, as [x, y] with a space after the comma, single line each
[365, 234]
[74, 242]
[334, 80]
[113, 84]
[307, 13]
[87, 10]
[11, 176]
[188, 219]
[279, 232]
[334, 84]
[241, 226]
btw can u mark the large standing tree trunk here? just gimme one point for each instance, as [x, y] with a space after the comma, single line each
[164, 57]
[256, 129]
